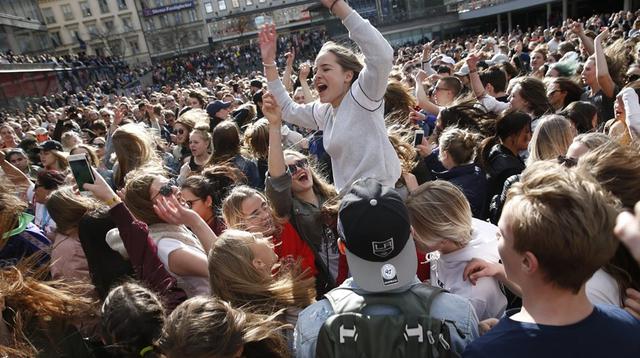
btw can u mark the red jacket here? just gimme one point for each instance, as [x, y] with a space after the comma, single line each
[289, 246]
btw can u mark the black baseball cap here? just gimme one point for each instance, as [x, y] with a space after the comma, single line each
[51, 145]
[373, 222]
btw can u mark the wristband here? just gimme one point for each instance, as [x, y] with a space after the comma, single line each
[113, 201]
[269, 64]
[332, 5]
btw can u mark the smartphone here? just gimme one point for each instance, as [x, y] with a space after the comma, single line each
[418, 134]
[81, 170]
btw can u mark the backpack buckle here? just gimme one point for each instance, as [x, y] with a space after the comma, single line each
[348, 333]
[414, 332]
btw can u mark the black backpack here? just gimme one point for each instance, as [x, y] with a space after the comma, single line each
[413, 333]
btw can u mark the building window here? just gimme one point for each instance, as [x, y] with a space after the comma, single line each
[49, 17]
[126, 23]
[178, 17]
[66, 10]
[235, 3]
[85, 8]
[55, 39]
[262, 0]
[108, 25]
[193, 15]
[222, 5]
[159, 3]
[249, 2]
[104, 6]
[208, 7]
[149, 24]
[135, 48]
[122, 4]
[92, 30]
[164, 20]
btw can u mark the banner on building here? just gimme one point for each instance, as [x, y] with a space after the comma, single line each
[169, 8]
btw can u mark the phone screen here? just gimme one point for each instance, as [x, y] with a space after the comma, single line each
[81, 172]
[419, 134]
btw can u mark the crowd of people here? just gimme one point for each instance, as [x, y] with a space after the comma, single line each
[471, 197]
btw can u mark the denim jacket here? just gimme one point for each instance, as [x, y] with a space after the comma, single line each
[445, 306]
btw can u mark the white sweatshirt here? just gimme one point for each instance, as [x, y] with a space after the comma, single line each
[355, 135]
[446, 272]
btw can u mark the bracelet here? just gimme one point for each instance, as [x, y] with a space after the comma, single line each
[269, 64]
[332, 5]
[113, 201]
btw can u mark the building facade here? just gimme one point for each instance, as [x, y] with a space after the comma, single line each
[22, 28]
[172, 27]
[96, 27]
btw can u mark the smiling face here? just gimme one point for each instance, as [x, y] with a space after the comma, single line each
[182, 133]
[301, 179]
[257, 216]
[331, 80]
[198, 145]
[7, 134]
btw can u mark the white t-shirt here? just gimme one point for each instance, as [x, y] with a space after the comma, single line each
[603, 289]
[166, 247]
[446, 272]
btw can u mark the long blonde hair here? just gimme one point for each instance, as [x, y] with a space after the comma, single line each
[234, 278]
[67, 208]
[134, 148]
[551, 138]
[438, 211]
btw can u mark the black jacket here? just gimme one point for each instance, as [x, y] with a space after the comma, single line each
[501, 164]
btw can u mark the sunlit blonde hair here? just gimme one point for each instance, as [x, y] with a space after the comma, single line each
[35, 302]
[551, 138]
[67, 208]
[137, 196]
[439, 211]
[232, 209]
[134, 148]
[234, 278]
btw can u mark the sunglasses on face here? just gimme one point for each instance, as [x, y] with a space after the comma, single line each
[165, 190]
[302, 164]
[178, 131]
[98, 145]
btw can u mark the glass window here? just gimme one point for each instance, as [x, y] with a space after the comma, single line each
[55, 39]
[86, 9]
[178, 17]
[159, 3]
[108, 25]
[164, 20]
[149, 24]
[66, 10]
[235, 3]
[193, 15]
[122, 4]
[49, 17]
[135, 48]
[208, 7]
[126, 23]
[222, 5]
[249, 2]
[104, 6]
[92, 30]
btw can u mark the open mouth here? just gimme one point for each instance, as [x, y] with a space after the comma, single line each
[321, 87]
[302, 177]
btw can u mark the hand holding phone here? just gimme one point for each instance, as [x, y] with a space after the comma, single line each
[81, 170]
[418, 134]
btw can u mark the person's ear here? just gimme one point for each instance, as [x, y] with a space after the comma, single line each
[489, 88]
[348, 76]
[208, 201]
[342, 247]
[258, 264]
[529, 263]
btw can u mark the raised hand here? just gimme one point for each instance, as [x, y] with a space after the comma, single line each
[478, 268]
[100, 189]
[290, 57]
[602, 35]
[268, 43]
[172, 211]
[271, 109]
[305, 69]
[472, 62]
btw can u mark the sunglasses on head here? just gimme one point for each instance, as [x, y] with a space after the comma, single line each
[567, 161]
[178, 131]
[301, 163]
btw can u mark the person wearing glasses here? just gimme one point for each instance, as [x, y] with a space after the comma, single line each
[562, 91]
[298, 192]
[19, 159]
[181, 131]
[183, 252]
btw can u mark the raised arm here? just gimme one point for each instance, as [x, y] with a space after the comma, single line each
[278, 185]
[303, 74]
[474, 77]
[310, 116]
[288, 70]
[602, 71]
[421, 95]
[378, 54]
[586, 41]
